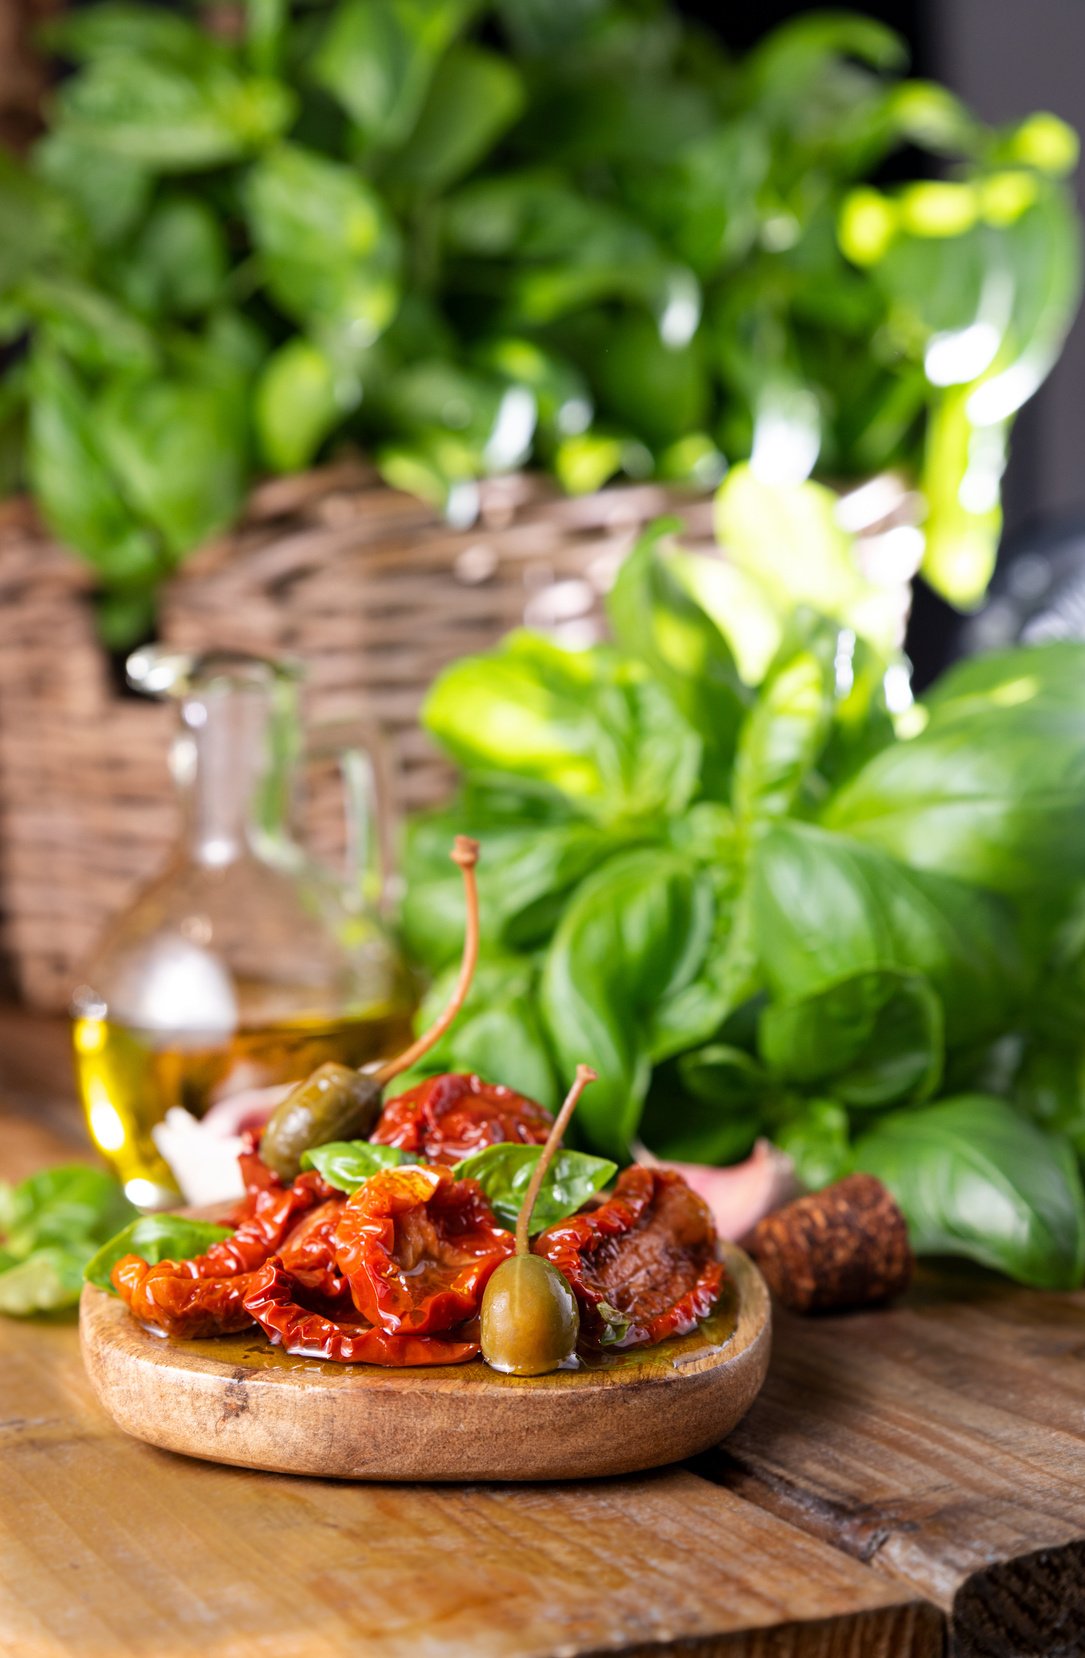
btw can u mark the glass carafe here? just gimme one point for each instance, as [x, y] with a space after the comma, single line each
[245, 964]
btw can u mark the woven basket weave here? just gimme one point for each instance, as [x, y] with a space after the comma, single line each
[371, 591]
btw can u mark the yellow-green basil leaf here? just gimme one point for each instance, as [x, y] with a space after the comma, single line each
[504, 1172]
[348, 1164]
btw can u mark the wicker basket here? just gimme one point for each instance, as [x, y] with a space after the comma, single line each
[366, 586]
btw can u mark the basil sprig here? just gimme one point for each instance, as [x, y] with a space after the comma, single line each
[504, 1172]
[348, 1164]
[153, 1238]
[49, 1224]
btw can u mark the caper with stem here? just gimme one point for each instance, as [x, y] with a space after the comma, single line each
[339, 1103]
[529, 1321]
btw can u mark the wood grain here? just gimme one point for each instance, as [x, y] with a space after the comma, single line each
[239, 1400]
[942, 1443]
[112, 1549]
[115, 1548]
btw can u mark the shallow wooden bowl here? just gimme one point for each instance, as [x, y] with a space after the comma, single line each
[236, 1399]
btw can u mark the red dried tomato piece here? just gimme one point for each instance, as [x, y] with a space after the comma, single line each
[204, 1296]
[167, 1298]
[417, 1248]
[648, 1254]
[308, 1254]
[346, 1339]
[255, 1174]
[448, 1117]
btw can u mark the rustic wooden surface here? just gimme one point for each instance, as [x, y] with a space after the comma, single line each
[943, 1444]
[239, 1400]
[113, 1547]
[904, 1476]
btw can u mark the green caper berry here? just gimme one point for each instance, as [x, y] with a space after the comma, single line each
[529, 1321]
[335, 1103]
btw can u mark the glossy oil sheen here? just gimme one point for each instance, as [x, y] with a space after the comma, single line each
[129, 1078]
[250, 1350]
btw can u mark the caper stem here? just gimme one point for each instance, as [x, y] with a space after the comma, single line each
[584, 1075]
[465, 853]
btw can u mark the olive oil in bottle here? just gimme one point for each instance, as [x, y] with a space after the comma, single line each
[246, 964]
[129, 1078]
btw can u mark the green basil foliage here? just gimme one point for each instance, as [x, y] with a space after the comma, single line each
[50, 1225]
[153, 1238]
[348, 1164]
[713, 869]
[468, 235]
[504, 1173]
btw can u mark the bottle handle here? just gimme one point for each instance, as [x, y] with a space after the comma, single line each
[365, 777]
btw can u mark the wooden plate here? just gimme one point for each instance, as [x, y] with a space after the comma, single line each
[236, 1399]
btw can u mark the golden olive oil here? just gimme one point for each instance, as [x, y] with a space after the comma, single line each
[129, 1078]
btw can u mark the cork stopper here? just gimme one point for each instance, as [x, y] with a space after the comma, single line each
[844, 1247]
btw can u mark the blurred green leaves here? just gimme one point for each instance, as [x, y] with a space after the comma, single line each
[470, 236]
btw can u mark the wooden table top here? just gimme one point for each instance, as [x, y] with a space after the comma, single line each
[911, 1482]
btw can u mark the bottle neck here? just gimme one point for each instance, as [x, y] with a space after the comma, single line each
[233, 784]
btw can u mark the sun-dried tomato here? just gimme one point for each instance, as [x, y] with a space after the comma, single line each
[446, 1118]
[167, 1298]
[648, 1255]
[308, 1254]
[346, 1339]
[255, 1175]
[205, 1295]
[417, 1249]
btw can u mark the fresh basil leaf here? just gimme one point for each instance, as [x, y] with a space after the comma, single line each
[993, 794]
[182, 257]
[474, 96]
[377, 58]
[591, 724]
[119, 28]
[816, 1140]
[788, 725]
[974, 1177]
[178, 451]
[504, 1172]
[73, 480]
[49, 1224]
[875, 1038]
[788, 539]
[297, 402]
[70, 1205]
[172, 117]
[348, 1164]
[328, 246]
[47, 1281]
[654, 616]
[632, 940]
[708, 1108]
[153, 1238]
[1047, 676]
[87, 326]
[498, 1033]
[529, 869]
[824, 906]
